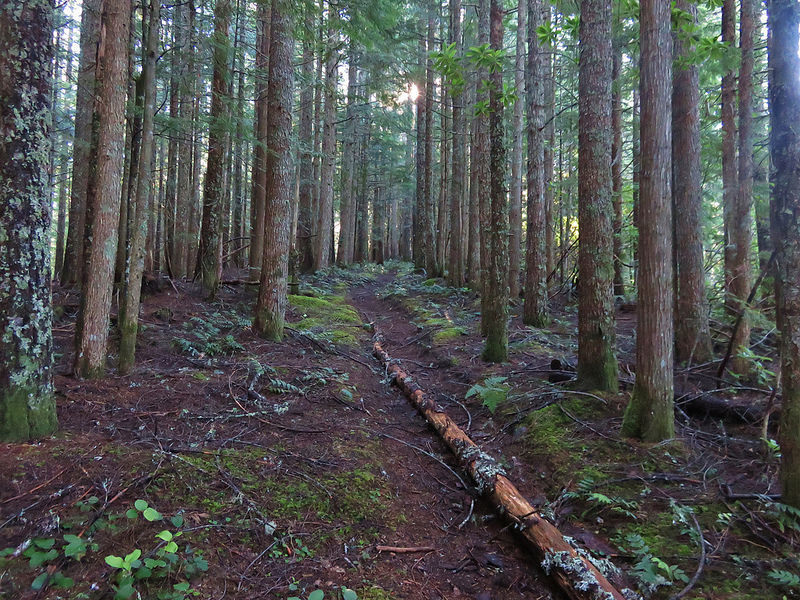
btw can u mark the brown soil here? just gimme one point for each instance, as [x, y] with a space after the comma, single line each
[338, 463]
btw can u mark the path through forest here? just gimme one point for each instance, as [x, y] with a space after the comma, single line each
[287, 466]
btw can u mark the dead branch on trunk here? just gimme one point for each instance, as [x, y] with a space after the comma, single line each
[574, 573]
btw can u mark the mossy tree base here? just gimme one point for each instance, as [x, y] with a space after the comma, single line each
[649, 416]
[26, 414]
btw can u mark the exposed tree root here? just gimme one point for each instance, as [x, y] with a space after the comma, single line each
[574, 573]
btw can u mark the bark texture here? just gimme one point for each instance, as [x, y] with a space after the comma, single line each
[784, 64]
[209, 254]
[72, 272]
[597, 361]
[649, 415]
[515, 211]
[495, 308]
[535, 311]
[257, 196]
[112, 57]
[27, 402]
[271, 306]
[692, 335]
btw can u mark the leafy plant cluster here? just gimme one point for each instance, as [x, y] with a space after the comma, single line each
[649, 570]
[493, 392]
[211, 336]
[163, 563]
[344, 593]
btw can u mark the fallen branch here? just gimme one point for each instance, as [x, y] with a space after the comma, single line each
[399, 550]
[577, 576]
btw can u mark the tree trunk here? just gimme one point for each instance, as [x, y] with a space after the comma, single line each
[496, 231]
[63, 188]
[784, 65]
[325, 211]
[515, 212]
[419, 225]
[209, 254]
[171, 191]
[650, 415]
[183, 201]
[344, 254]
[692, 335]
[378, 226]
[72, 272]
[729, 169]
[92, 337]
[741, 219]
[257, 197]
[271, 306]
[129, 314]
[535, 310]
[305, 227]
[597, 361]
[479, 195]
[616, 167]
[455, 274]
[27, 400]
[430, 248]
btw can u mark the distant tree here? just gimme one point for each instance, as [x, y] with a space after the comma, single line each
[650, 414]
[692, 335]
[305, 226]
[324, 231]
[741, 233]
[517, 155]
[271, 306]
[129, 313]
[535, 311]
[209, 255]
[597, 361]
[82, 165]
[91, 336]
[258, 198]
[784, 94]
[495, 231]
[27, 402]
[455, 272]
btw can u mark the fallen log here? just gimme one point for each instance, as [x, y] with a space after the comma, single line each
[572, 570]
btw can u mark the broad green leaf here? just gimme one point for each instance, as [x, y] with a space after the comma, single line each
[140, 505]
[151, 514]
[115, 561]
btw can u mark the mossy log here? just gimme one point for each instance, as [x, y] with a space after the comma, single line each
[577, 576]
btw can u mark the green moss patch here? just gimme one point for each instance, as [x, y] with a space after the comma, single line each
[328, 317]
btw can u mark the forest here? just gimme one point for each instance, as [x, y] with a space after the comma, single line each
[383, 299]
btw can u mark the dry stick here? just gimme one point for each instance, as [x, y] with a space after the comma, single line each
[574, 574]
[740, 317]
[400, 550]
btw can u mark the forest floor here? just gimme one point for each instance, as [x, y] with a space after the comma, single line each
[227, 466]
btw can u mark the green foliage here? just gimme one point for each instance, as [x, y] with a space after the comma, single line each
[649, 570]
[492, 392]
[211, 336]
[344, 593]
[785, 579]
[162, 564]
[599, 503]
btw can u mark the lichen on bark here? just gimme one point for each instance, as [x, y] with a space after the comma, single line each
[27, 405]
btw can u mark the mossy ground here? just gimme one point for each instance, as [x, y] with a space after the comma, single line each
[329, 317]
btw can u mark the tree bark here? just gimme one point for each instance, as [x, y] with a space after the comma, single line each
[63, 188]
[496, 234]
[597, 361]
[305, 227]
[344, 255]
[535, 311]
[129, 313]
[324, 223]
[515, 212]
[92, 337]
[27, 400]
[692, 335]
[430, 249]
[784, 94]
[729, 168]
[649, 415]
[741, 219]
[257, 197]
[209, 254]
[455, 273]
[72, 272]
[616, 167]
[271, 306]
